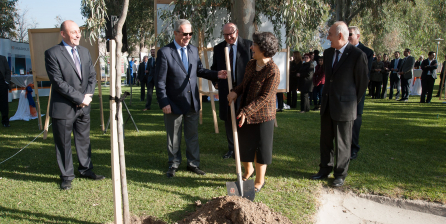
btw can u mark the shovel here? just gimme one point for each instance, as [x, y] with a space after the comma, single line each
[240, 188]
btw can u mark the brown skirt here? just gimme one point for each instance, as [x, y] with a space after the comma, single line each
[256, 139]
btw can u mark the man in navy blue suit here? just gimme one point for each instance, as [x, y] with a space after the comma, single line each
[177, 67]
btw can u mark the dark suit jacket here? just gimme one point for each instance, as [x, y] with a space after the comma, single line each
[407, 67]
[68, 89]
[428, 68]
[174, 85]
[369, 53]
[151, 65]
[442, 70]
[306, 77]
[5, 71]
[345, 84]
[392, 65]
[243, 55]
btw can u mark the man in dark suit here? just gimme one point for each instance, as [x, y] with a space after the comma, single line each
[73, 79]
[148, 77]
[441, 78]
[353, 38]
[177, 68]
[428, 76]
[5, 79]
[395, 66]
[345, 84]
[406, 74]
[241, 54]
[143, 73]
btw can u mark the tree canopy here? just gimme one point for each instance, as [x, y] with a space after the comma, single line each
[7, 18]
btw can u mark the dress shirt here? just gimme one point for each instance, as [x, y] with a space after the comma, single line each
[395, 66]
[341, 51]
[179, 49]
[429, 71]
[234, 54]
[68, 47]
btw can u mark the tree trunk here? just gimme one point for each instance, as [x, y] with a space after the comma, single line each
[243, 12]
[120, 24]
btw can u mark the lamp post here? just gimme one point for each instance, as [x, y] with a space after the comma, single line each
[438, 43]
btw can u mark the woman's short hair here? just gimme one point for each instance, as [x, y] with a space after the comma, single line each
[267, 42]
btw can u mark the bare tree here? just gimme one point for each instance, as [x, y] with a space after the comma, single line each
[23, 24]
[59, 20]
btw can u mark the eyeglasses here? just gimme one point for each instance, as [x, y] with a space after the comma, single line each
[229, 34]
[185, 34]
[350, 34]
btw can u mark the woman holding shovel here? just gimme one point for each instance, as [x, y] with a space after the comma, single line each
[258, 107]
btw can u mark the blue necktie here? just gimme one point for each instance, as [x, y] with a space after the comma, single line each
[184, 59]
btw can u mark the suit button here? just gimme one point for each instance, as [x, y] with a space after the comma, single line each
[189, 78]
[188, 91]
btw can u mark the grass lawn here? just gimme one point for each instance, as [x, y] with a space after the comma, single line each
[402, 155]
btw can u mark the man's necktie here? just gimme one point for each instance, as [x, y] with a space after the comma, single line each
[184, 59]
[336, 58]
[231, 60]
[77, 62]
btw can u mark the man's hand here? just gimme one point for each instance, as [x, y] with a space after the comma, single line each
[167, 109]
[222, 74]
[87, 100]
[147, 71]
[231, 97]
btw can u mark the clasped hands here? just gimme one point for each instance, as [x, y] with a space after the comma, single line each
[232, 96]
[87, 100]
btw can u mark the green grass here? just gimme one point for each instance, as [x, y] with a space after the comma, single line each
[402, 155]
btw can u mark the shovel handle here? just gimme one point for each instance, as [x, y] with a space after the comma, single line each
[234, 125]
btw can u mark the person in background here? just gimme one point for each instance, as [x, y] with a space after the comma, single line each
[150, 82]
[130, 73]
[418, 62]
[294, 81]
[441, 78]
[318, 83]
[428, 77]
[376, 77]
[257, 108]
[406, 74]
[386, 73]
[5, 79]
[395, 65]
[305, 74]
[135, 71]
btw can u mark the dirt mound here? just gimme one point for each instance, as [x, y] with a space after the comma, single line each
[232, 210]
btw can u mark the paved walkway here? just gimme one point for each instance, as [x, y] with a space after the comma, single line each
[338, 207]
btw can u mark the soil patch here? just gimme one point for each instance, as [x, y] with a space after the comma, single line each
[232, 210]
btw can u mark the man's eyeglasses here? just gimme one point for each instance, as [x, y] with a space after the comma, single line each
[229, 34]
[185, 34]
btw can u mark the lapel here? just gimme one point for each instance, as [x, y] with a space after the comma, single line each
[190, 57]
[69, 58]
[176, 56]
[83, 60]
[329, 56]
[343, 57]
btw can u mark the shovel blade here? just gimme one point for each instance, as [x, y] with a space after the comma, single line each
[234, 189]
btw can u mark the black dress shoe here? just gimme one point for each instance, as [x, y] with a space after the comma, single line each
[257, 190]
[6, 125]
[338, 182]
[354, 155]
[65, 185]
[171, 172]
[196, 170]
[319, 176]
[92, 176]
[229, 154]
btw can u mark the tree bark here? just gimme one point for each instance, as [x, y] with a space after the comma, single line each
[243, 12]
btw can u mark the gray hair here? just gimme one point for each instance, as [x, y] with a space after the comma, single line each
[180, 22]
[355, 29]
[341, 27]
[230, 23]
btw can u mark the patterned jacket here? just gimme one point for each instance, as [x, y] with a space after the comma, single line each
[258, 91]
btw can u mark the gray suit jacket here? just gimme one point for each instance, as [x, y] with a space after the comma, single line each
[5, 71]
[407, 67]
[174, 85]
[68, 89]
[345, 84]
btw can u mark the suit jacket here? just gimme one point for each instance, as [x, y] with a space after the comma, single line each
[68, 89]
[345, 84]
[407, 67]
[294, 80]
[392, 65]
[442, 70]
[375, 75]
[369, 53]
[151, 65]
[428, 68]
[5, 71]
[243, 55]
[306, 77]
[258, 92]
[174, 85]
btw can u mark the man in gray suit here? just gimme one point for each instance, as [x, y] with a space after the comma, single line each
[345, 83]
[73, 80]
[177, 67]
[5, 79]
[406, 73]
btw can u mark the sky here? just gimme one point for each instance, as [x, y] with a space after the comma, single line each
[44, 12]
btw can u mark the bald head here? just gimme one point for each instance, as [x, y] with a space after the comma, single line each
[338, 34]
[70, 32]
[230, 33]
